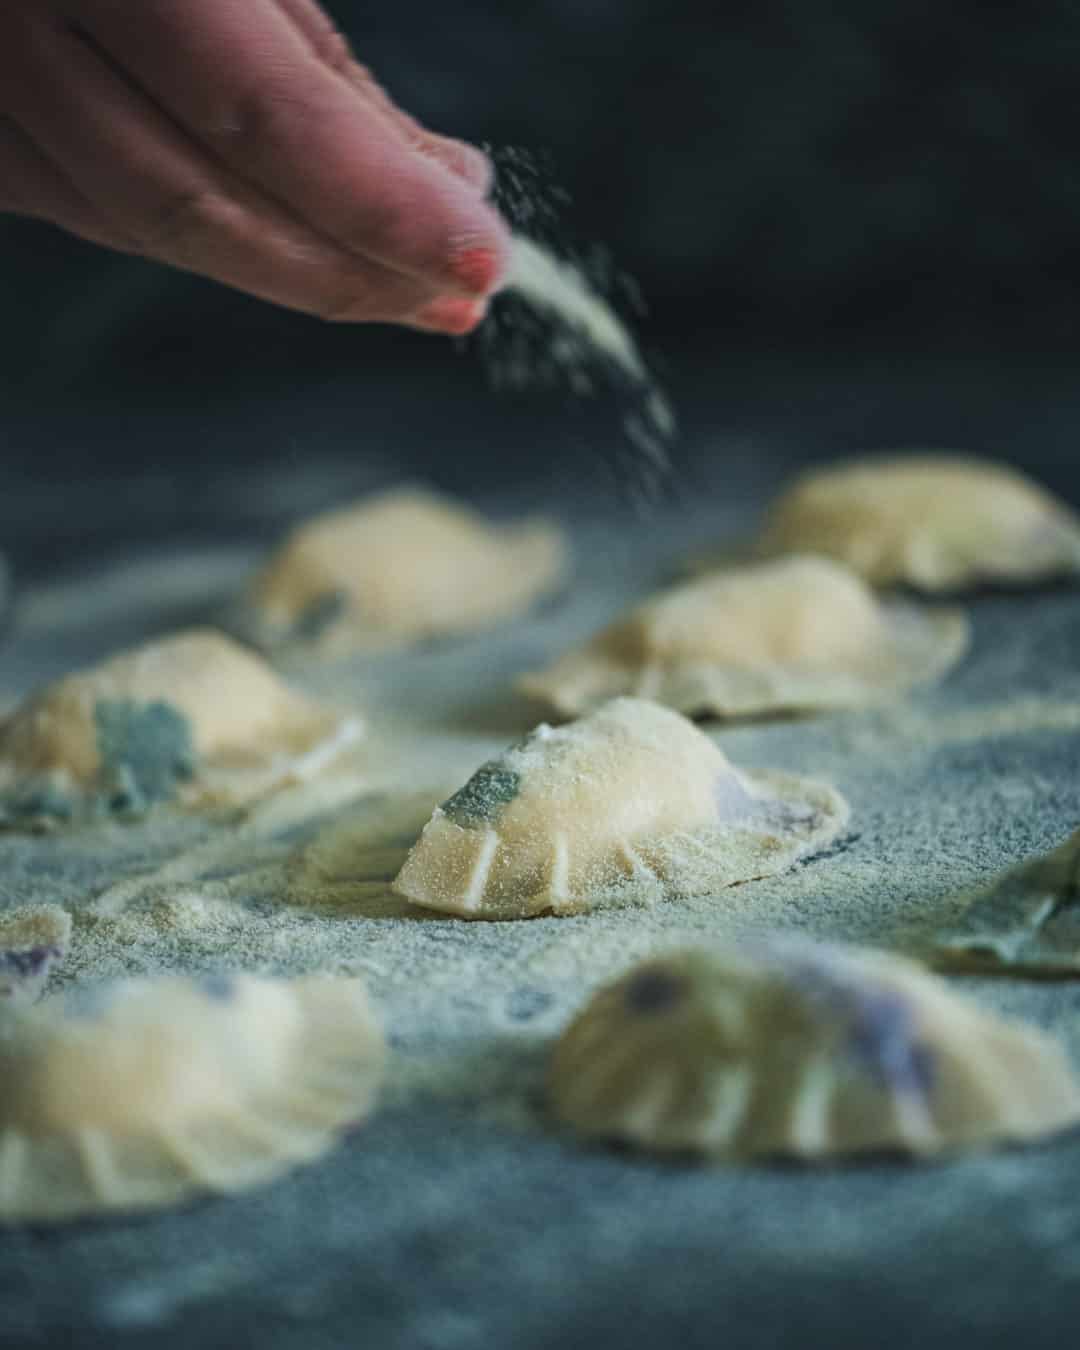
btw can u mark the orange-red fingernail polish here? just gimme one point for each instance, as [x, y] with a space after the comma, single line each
[477, 269]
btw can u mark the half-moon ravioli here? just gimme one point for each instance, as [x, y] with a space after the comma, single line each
[791, 635]
[783, 1046]
[194, 717]
[933, 521]
[163, 1088]
[626, 806]
[397, 568]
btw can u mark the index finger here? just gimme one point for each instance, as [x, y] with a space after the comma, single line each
[243, 81]
[332, 48]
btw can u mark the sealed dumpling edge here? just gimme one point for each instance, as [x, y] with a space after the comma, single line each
[400, 567]
[934, 521]
[154, 1090]
[783, 1047]
[799, 634]
[193, 719]
[630, 805]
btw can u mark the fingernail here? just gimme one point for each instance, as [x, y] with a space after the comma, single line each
[477, 269]
[452, 315]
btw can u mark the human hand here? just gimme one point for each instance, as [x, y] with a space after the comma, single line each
[240, 140]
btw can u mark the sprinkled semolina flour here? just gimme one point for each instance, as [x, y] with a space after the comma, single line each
[579, 337]
[559, 286]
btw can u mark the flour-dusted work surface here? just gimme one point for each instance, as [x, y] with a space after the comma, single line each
[458, 1215]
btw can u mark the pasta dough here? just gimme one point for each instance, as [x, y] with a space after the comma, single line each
[797, 634]
[628, 805]
[936, 522]
[398, 568]
[32, 939]
[1028, 918]
[167, 1087]
[194, 718]
[783, 1046]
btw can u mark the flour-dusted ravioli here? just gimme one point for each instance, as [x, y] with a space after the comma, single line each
[626, 806]
[33, 938]
[782, 1046]
[163, 1088]
[397, 568]
[937, 522]
[194, 718]
[796, 634]
[1025, 919]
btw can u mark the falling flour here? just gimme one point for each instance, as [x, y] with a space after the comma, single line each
[580, 335]
[559, 286]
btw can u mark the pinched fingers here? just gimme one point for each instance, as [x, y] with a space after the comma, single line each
[83, 148]
[244, 82]
[461, 158]
[31, 186]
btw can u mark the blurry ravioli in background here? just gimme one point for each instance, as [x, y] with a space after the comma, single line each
[936, 522]
[781, 1046]
[628, 806]
[152, 1090]
[395, 569]
[794, 635]
[194, 718]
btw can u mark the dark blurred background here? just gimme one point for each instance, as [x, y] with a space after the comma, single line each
[855, 224]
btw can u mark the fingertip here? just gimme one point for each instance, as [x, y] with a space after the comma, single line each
[480, 256]
[477, 269]
[408, 210]
[452, 315]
